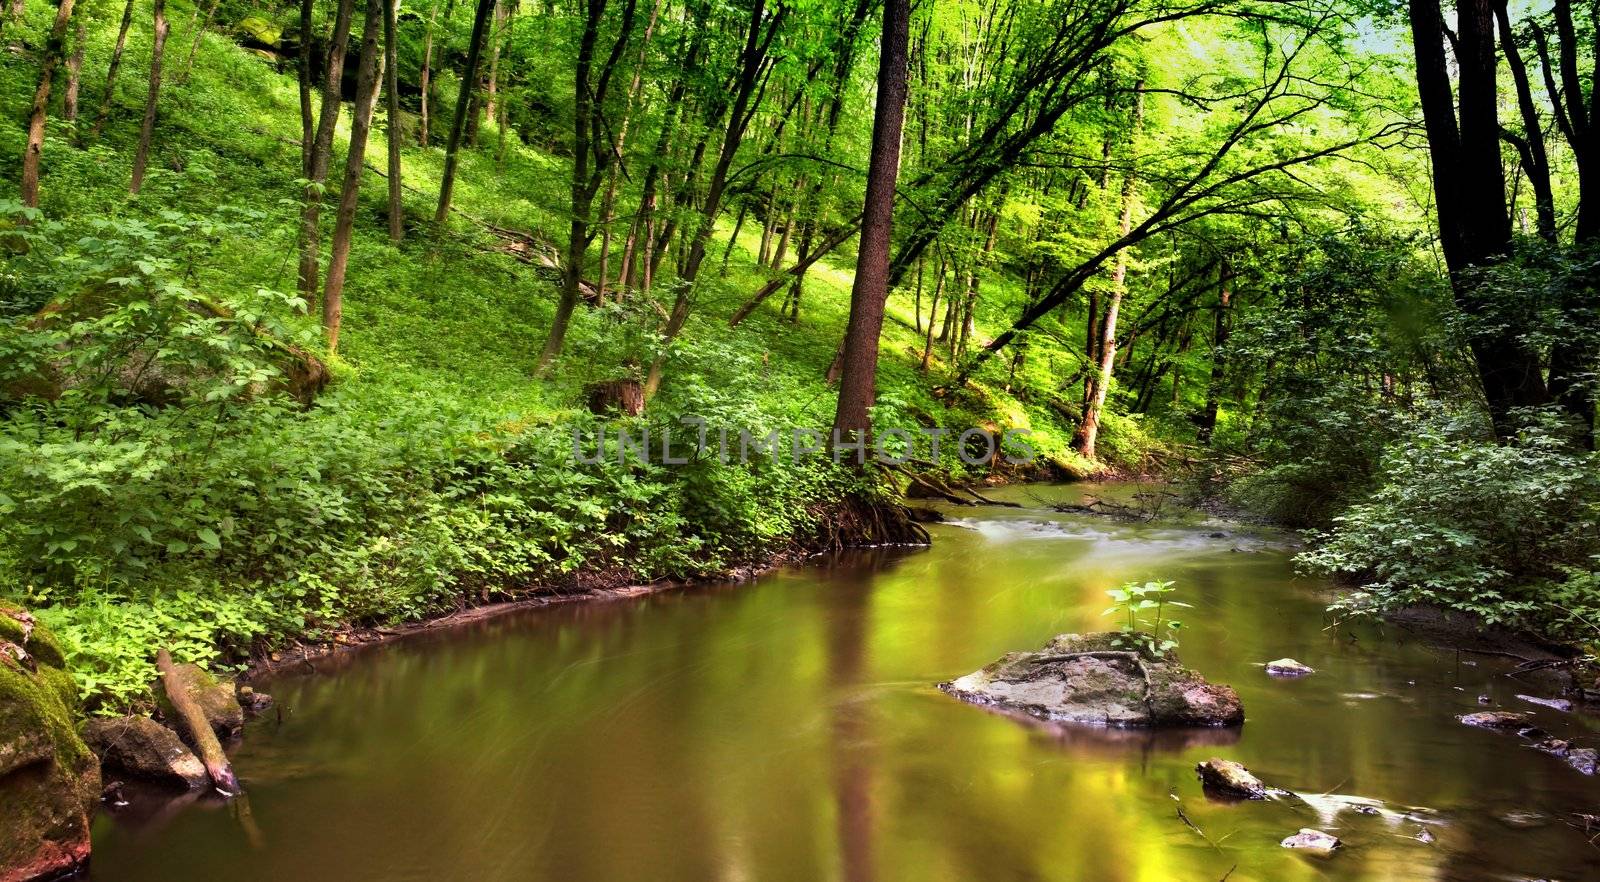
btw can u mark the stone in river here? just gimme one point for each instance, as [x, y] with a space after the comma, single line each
[1314, 841]
[1288, 667]
[1560, 704]
[143, 748]
[1584, 759]
[1509, 721]
[1229, 778]
[1091, 679]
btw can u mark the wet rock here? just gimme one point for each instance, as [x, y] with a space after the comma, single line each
[1484, 699]
[1584, 759]
[1501, 721]
[925, 515]
[1228, 778]
[1424, 836]
[1560, 704]
[216, 700]
[1091, 679]
[139, 747]
[1288, 667]
[49, 781]
[1314, 841]
[254, 703]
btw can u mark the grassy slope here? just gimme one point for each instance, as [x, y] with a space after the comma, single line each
[443, 329]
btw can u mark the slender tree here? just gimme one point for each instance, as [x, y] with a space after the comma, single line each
[869, 293]
[322, 148]
[469, 79]
[49, 60]
[367, 83]
[69, 101]
[111, 72]
[391, 15]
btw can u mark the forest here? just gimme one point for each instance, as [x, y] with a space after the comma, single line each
[305, 305]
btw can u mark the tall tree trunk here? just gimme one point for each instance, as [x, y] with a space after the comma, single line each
[354, 168]
[1089, 429]
[1530, 146]
[425, 77]
[391, 21]
[54, 49]
[111, 72]
[1219, 353]
[859, 366]
[1469, 192]
[69, 103]
[199, 31]
[322, 149]
[308, 126]
[933, 314]
[491, 91]
[147, 129]
[469, 79]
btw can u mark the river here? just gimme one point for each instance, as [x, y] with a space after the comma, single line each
[789, 729]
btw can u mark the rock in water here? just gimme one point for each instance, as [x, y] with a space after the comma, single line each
[49, 780]
[1288, 667]
[1314, 841]
[1230, 779]
[1500, 720]
[216, 700]
[1584, 759]
[143, 748]
[1090, 679]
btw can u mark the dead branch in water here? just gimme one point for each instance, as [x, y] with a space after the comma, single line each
[178, 685]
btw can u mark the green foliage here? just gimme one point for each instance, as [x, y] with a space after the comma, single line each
[1144, 627]
[1465, 523]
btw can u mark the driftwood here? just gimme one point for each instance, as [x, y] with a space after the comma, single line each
[178, 686]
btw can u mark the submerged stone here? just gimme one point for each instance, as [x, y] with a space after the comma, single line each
[1228, 778]
[1090, 679]
[49, 780]
[143, 748]
[1288, 667]
[1314, 841]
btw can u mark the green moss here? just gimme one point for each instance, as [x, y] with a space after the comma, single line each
[40, 643]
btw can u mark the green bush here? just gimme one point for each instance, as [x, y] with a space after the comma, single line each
[1506, 532]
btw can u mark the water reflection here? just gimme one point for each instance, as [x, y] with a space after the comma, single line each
[788, 729]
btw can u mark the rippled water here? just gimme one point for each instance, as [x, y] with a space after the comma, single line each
[788, 729]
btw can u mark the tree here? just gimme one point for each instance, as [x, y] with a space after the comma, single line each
[870, 290]
[111, 71]
[367, 84]
[50, 58]
[469, 79]
[322, 148]
[141, 154]
[391, 14]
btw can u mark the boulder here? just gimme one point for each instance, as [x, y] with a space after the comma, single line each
[254, 703]
[216, 700]
[142, 748]
[49, 781]
[1091, 679]
[1314, 841]
[1288, 667]
[1228, 778]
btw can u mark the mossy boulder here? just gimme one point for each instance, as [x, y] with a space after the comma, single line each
[142, 748]
[1091, 679]
[49, 780]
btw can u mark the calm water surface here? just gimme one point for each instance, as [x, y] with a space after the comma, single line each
[788, 729]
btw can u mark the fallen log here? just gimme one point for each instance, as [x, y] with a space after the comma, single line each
[180, 692]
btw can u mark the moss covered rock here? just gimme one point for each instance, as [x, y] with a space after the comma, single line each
[49, 781]
[1092, 679]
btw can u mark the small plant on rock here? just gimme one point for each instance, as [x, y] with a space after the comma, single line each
[1145, 628]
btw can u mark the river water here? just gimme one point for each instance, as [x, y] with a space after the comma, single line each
[789, 729]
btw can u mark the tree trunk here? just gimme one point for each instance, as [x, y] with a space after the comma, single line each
[1219, 353]
[425, 78]
[490, 104]
[147, 129]
[1469, 192]
[179, 686]
[391, 21]
[308, 126]
[199, 31]
[367, 80]
[54, 49]
[933, 315]
[469, 78]
[1089, 429]
[868, 295]
[322, 150]
[69, 103]
[111, 72]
